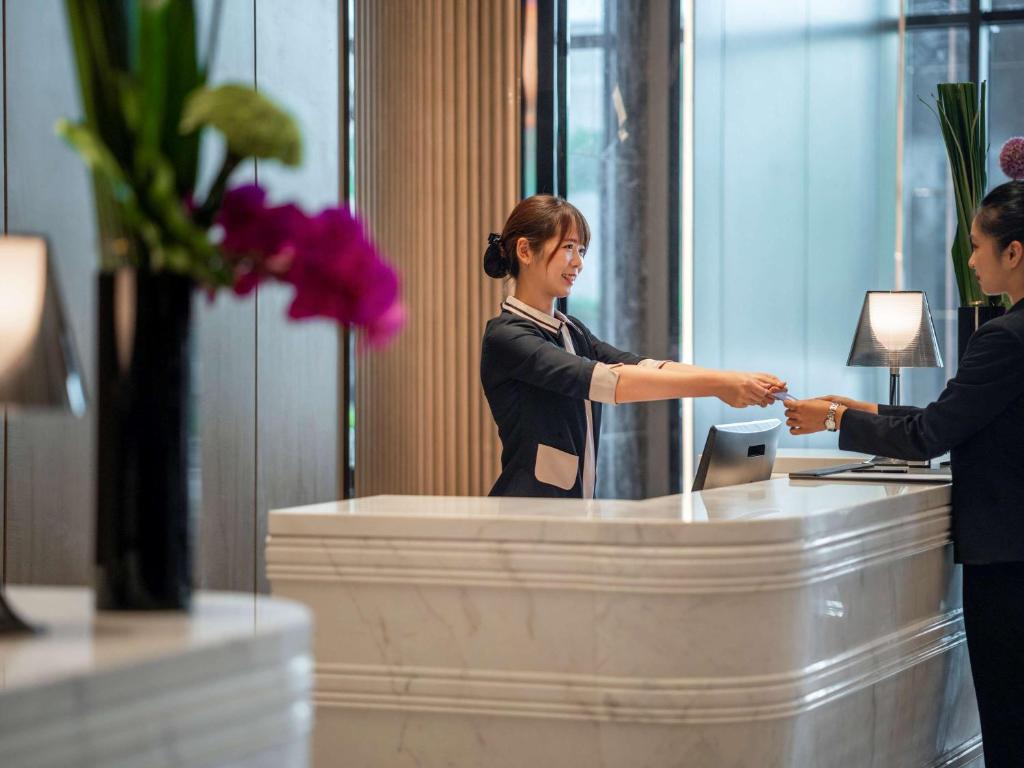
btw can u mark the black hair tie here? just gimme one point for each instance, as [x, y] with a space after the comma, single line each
[495, 263]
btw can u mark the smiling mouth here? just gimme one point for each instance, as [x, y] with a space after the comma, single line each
[569, 278]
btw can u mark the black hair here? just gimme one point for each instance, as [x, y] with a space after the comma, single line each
[1001, 214]
[496, 263]
[537, 218]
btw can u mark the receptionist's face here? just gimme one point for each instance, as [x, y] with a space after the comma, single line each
[561, 271]
[987, 261]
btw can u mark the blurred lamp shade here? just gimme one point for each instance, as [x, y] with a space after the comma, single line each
[38, 364]
[895, 331]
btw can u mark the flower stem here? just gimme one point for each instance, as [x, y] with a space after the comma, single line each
[205, 213]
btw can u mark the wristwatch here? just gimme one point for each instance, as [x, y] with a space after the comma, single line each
[830, 417]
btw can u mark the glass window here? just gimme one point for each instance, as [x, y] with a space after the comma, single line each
[586, 147]
[622, 168]
[1005, 44]
[932, 56]
[938, 6]
[795, 199]
[1002, 5]
[828, 220]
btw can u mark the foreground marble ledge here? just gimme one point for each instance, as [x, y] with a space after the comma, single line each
[228, 685]
[783, 623]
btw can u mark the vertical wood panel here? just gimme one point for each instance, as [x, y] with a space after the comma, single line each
[449, 279]
[446, 86]
[3, 496]
[344, 193]
[226, 361]
[473, 227]
[297, 365]
[3, 207]
[50, 494]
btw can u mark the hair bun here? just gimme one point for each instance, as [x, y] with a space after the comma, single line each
[496, 265]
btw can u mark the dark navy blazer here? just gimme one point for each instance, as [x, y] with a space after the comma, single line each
[979, 418]
[537, 392]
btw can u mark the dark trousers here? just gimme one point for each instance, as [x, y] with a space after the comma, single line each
[994, 621]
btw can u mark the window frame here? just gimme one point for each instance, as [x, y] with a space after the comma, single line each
[974, 19]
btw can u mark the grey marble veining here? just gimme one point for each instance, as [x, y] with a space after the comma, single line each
[775, 624]
[227, 685]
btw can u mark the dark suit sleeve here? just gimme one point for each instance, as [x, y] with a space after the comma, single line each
[605, 352]
[519, 353]
[898, 410]
[990, 378]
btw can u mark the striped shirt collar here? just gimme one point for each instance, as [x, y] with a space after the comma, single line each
[524, 310]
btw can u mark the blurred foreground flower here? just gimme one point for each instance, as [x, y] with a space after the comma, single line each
[334, 267]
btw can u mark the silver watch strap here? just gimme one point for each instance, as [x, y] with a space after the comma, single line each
[830, 419]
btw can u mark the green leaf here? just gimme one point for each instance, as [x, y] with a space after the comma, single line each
[183, 61]
[168, 71]
[97, 156]
[178, 243]
[253, 125]
[151, 55]
[100, 32]
[961, 116]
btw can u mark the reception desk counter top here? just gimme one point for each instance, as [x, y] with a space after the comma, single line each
[775, 509]
[783, 623]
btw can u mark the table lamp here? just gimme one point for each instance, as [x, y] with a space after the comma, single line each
[895, 331]
[38, 364]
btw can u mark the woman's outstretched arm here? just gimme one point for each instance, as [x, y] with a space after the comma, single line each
[638, 384]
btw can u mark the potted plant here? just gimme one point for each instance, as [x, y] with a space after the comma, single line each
[146, 99]
[960, 108]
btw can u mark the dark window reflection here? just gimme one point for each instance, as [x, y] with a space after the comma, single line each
[932, 56]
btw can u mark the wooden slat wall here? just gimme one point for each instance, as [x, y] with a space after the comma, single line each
[437, 168]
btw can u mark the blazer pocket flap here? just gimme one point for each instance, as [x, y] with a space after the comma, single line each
[556, 467]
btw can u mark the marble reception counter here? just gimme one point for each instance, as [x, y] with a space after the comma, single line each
[227, 685]
[781, 623]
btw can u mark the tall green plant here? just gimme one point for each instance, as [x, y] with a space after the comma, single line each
[145, 100]
[960, 108]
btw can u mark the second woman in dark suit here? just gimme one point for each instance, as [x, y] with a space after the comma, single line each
[979, 418]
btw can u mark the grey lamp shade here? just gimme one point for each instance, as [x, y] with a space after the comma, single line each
[38, 364]
[895, 331]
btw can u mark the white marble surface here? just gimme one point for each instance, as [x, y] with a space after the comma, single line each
[227, 685]
[775, 624]
[801, 459]
[779, 509]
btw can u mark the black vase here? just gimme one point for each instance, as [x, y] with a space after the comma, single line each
[143, 521]
[970, 319]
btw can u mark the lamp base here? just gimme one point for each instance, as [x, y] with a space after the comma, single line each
[884, 462]
[11, 623]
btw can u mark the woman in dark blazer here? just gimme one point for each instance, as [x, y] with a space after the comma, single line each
[979, 418]
[545, 375]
